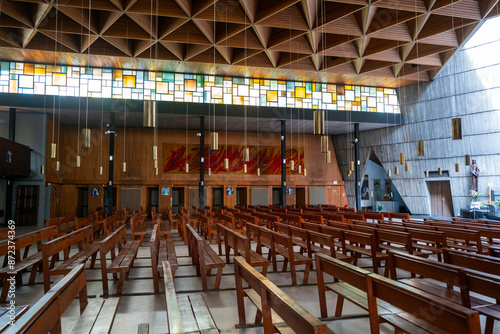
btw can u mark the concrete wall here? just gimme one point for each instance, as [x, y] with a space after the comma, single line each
[376, 172]
[467, 87]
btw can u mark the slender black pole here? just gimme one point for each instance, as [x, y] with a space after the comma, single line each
[109, 192]
[283, 163]
[357, 167]
[9, 194]
[202, 163]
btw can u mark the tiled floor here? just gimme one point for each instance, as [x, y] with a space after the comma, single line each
[138, 303]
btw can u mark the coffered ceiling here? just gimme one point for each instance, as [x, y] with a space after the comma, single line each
[379, 42]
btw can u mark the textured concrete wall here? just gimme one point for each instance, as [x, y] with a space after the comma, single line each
[467, 87]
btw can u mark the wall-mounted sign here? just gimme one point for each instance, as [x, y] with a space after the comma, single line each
[165, 191]
[289, 191]
[230, 191]
[95, 191]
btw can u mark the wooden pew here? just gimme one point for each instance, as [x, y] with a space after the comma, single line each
[195, 316]
[138, 228]
[421, 312]
[400, 216]
[353, 285]
[208, 228]
[45, 315]
[87, 248]
[241, 247]
[64, 224]
[23, 242]
[204, 258]
[161, 250]
[172, 219]
[121, 262]
[278, 311]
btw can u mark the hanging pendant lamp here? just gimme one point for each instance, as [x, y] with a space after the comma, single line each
[292, 166]
[154, 152]
[53, 150]
[226, 163]
[214, 141]
[407, 167]
[245, 168]
[324, 144]
[401, 158]
[124, 167]
[78, 161]
[149, 114]
[467, 159]
[396, 170]
[86, 137]
[328, 157]
[319, 122]
[246, 154]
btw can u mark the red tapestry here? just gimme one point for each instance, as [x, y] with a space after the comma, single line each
[268, 158]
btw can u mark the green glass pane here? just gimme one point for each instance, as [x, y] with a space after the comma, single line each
[5, 66]
[308, 87]
[64, 69]
[318, 87]
[290, 86]
[274, 85]
[263, 100]
[218, 81]
[363, 106]
[357, 91]
[239, 81]
[199, 81]
[373, 91]
[179, 79]
[168, 77]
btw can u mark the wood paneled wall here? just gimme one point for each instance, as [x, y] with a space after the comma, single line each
[136, 152]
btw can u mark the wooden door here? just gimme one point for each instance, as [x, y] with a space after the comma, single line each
[241, 196]
[300, 196]
[27, 205]
[217, 197]
[441, 201]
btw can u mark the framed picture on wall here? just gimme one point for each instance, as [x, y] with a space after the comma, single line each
[95, 191]
[165, 191]
[365, 190]
[230, 191]
[289, 191]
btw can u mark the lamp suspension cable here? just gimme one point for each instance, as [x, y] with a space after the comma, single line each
[86, 132]
[124, 167]
[102, 135]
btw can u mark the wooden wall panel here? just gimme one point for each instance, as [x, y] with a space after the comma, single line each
[95, 201]
[136, 151]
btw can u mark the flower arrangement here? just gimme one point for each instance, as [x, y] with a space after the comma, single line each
[474, 195]
[380, 207]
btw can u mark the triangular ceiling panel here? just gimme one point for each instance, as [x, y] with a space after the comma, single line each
[225, 11]
[245, 39]
[346, 26]
[166, 8]
[42, 42]
[187, 33]
[209, 56]
[289, 18]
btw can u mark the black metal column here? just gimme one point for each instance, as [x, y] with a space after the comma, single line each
[9, 195]
[357, 167]
[202, 163]
[109, 192]
[283, 163]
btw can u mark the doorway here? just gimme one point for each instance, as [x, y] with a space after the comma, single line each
[241, 196]
[300, 196]
[218, 197]
[441, 201]
[152, 199]
[277, 198]
[105, 198]
[27, 205]
[177, 199]
[83, 202]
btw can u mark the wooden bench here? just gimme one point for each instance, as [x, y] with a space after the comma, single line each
[138, 228]
[121, 262]
[420, 312]
[204, 258]
[45, 315]
[161, 250]
[278, 311]
[187, 313]
[64, 224]
[87, 248]
[23, 242]
[241, 247]
[208, 228]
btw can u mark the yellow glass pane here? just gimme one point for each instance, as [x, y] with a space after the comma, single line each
[117, 75]
[59, 79]
[313, 87]
[243, 90]
[39, 71]
[300, 92]
[237, 99]
[190, 85]
[308, 96]
[162, 87]
[29, 69]
[216, 92]
[129, 81]
[272, 96]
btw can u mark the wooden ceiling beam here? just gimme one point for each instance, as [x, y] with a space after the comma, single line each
[142, 45]
[283, 36]
[309, 8]
[379, 45]
[372, 65]
[107, 19]
[207, 29]
[232, 30]
[18, 12]
[178, 49]
[268, 8]
[68, 41]
[289, 58]
[195, 49]
[486, 6]
[169, 25]
[225, 52]
[40, 12]
[263, 34]
[250, 8]
[199, 6]
[241, 55]
[146, 22]
[120, 43]
[81, 16]
[86, 41]
[6, 35]
[273, 57]
[332, 11]
[186, 6]
[330, 41]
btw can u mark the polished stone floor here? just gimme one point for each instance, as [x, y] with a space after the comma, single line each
[138, 303]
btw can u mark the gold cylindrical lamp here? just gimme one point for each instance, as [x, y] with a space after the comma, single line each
[246, 154]
[324, 144]
[396, 170]
[351, 165]
[124, 167]
[305, 172]
[214, 141]
[421, 148]
[426, 173]
[258, 171]
[155, 163]
[457, 168]
[226, 163]
[209, 171]
[156, 171]
[100, 170]
[319, 122]
[407, 167]
[440, 171]
[292, 165]
[328, 157]
[187, 167]
[245, 168]
[86, 137]
[401, 158]
[467, 159]
[53, 150]
[154, 152]
[149, 114]
[389, 172]
[58, 166]
[42, 169]
[78, 161]
[300, 169]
